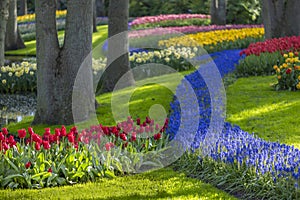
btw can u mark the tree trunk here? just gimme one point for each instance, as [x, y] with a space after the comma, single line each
[218, 12]
[58, 67]
[281, 18]
[100, 8]
[94, 17]
[13, 38]
[118, 57]
[3, 21]
[23, 8]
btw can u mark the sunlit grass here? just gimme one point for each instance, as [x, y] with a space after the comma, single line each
[145, 94]
[256, 107]
[30, 49]
[161, 184]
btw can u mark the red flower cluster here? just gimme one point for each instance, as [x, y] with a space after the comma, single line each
[5, 141]
[123, 133]
[277, 44]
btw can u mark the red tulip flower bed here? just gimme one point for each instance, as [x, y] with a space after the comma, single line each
[260, 57]
[283, 45]
[65, 157]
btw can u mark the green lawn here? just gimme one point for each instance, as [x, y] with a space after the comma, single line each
[256, 107]
[160, 184]
[30, 49]
[145, 96]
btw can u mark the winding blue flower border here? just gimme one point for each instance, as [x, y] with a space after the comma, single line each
[235, 145]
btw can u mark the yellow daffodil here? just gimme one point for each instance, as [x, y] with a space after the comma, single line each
[212, 37]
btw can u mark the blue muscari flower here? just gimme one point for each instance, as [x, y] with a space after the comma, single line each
[233, 143]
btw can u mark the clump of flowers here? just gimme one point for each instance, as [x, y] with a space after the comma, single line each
[21, 77]
[273, 45]
[185, 29]
[32, 160]
[177, 58]
[169, 20]
[219, 39]
[31, 17]
[18, 77]
[288, 73]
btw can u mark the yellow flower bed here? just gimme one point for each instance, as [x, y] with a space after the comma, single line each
[31, 17]
[212, 37]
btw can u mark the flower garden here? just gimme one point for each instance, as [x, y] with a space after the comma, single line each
[255, 154]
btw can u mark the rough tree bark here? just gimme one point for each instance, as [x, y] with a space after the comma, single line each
[100, 8]
[3, 21]
[13, 38]
[23, 8]
[281, 18]
[117, 25]
[218, 12]
[94, 17]
[58, 67]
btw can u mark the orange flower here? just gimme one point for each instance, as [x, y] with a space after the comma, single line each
[297, 67]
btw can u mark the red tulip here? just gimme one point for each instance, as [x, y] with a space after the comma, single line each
[11, 139]
[138, 121]
[46, 145]
[37, 146]
[288, 71]
[50, 170]
[109, 145]
[157, 136]
[133, 136]
[1, 136]
[5, 146]
[63, 131]
[71, 138]
[123, 136]
[4, 131]
[57, 132]
[27, 165]
[47, 131]
[30, 130]
[37, 138]
[22, 133]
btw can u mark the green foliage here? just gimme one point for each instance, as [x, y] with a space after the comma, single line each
[173, 23]
[60, 165]
[30, 49]
[244, 12]
[175, 58]
[253, 65]
[240, 180]
[254, 105]
[159, 184]
[288, 74]
[18, 78]
[140, 8]
[237, 44]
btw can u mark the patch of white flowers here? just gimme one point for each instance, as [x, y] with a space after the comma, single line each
[167, 55]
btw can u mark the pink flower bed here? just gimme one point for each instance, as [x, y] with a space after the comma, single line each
[159, 18]
[272, 45]
[185, 29]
